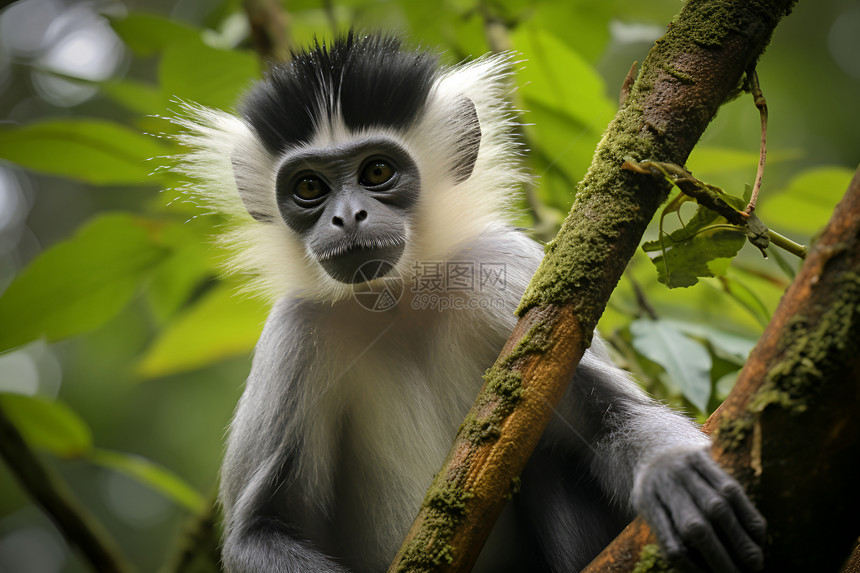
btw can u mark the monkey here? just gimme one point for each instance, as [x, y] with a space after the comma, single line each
[362, 170]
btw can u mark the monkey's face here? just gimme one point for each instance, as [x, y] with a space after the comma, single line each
[359, 152]
[350, 203]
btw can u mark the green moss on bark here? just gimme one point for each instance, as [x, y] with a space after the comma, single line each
[732, 433]
[608, 203]
[684, 80]
[516, 484]
[445, 505]
[652, 561]
[811, 358]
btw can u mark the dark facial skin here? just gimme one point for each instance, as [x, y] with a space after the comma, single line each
[350, 204]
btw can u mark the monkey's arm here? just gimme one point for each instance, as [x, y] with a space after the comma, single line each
[260, 540]
[649, 456]
[260, 501]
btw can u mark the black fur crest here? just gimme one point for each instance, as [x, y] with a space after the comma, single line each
[369, 78]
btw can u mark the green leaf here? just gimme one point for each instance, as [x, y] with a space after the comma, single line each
[81, 283]
[725, 384]
[728, 344]
[709, 303]
[91, 150]
[215, 78]
[146, 34]
[152, 475]
[695, 250]
[218, 326]
[807, 203]
[184, 271]
[568, 110]
[137, 96]
[583, 25]
[559, 78]
[54, 427]
[685, 361]
[48, 425]
[425, 18]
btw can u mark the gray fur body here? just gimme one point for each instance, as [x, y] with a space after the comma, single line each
[351, 412]
[363, 151]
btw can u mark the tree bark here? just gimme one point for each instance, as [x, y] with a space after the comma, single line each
[688, 74]
[786, 431]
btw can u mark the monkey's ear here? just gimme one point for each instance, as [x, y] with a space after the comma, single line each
[249, 188]
[468, 139]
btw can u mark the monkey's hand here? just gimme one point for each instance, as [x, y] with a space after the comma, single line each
[700, 515]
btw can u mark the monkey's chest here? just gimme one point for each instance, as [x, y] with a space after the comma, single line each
[383, 428]
[394, 424]
[390, 448]
[383, 472]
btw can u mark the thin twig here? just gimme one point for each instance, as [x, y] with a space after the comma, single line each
[628, 83]
[641, 299]
[786, 244]
[761, 104]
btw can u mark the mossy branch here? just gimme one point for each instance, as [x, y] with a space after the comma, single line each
[788, 431]
[688, 74]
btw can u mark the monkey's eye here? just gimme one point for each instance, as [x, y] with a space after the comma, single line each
[376, 172]
[310, 187]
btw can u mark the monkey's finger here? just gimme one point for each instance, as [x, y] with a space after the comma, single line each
[695, 529]
[670, 542]
[750, 518]
[721, 514]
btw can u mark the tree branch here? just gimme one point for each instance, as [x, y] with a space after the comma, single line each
[683, 81]
[787, 430]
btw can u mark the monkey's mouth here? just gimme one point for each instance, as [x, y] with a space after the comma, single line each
[358, 264]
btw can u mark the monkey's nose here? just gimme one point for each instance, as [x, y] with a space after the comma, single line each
[359, 216]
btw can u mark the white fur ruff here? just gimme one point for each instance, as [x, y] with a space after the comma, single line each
[226, 156]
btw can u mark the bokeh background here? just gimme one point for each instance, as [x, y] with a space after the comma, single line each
[123, 347]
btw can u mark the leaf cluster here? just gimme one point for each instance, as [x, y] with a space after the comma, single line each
[151, 338]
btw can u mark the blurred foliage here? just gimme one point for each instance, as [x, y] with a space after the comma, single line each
[125, 350]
